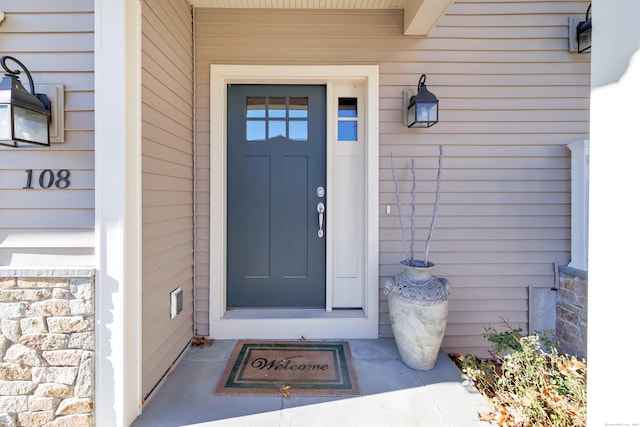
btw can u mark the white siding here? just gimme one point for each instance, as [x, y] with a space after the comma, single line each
[49, 227]
[511, 98]
[167, 184]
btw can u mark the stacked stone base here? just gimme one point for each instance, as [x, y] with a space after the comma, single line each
[571, 312]
[47, 341]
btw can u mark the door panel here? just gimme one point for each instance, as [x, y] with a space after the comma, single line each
[276, 159]
[295, 219]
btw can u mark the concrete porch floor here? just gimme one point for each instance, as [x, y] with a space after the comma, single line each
[391, 395]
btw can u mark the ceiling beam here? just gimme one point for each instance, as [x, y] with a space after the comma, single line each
[421, 16]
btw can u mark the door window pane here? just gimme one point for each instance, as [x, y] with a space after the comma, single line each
[347, 119]
[298, 108]
[298, 130]
[348, 131]
[256, 130]
[277, 129]
[277, 107]
[256, 107]
[347, 107]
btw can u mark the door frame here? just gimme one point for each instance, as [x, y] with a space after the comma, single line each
[292, 324]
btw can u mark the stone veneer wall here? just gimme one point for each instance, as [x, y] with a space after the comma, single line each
[571, 312]
[47, 340]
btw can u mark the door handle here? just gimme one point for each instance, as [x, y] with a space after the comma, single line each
[320, 209]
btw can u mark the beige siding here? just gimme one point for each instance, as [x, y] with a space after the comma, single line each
[51, 226]
[167, 184]
[511, 98]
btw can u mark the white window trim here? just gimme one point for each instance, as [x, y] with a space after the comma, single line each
[321, 324]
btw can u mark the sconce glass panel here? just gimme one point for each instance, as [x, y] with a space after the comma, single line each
[31, 126]
[427, 112]
[5, 123]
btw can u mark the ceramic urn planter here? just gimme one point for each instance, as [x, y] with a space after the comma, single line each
[418, 307]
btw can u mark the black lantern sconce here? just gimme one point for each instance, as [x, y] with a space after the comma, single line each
[580, 33]
[422, 111]
[24, 116]
[583, 32]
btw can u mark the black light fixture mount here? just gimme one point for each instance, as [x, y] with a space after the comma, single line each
[24, 115]
[422, 111]
[583, 32]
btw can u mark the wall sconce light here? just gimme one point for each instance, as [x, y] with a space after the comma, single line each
[422, 111]
[24, 116]
[580, 33]
[583, 32]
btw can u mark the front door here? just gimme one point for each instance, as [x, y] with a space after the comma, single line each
[276, 180]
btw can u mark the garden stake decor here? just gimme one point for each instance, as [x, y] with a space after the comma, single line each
[418, 301]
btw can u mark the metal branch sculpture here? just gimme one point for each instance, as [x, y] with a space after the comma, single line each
[395, 182]
[413, 210]
[435, 206]
[408, 249]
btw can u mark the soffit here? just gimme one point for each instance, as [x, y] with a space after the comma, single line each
[420, 16]
[301, 4]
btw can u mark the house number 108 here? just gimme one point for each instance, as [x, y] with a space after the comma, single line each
[48, 178]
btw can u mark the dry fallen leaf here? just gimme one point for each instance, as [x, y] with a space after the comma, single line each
[486, 416]
[201, 342]
[504, 416]
[283, 391]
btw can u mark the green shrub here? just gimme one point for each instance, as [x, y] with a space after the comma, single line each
[528, 383]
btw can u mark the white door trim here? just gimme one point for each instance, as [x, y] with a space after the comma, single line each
[338, 324]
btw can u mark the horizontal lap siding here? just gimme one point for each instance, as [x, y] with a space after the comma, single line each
[511, 98]
[54, 40]
[167, 184]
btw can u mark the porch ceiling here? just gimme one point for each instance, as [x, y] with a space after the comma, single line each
[420, 16]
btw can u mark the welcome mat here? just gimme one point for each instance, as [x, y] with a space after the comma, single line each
[283, 368]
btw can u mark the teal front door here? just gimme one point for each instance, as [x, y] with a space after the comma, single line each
[276, 180]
